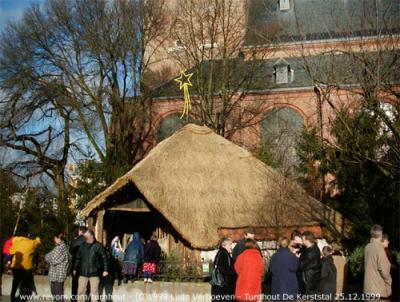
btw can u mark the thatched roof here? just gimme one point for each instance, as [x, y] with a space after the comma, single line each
[200, 182]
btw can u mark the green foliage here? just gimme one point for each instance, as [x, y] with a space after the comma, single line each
[363, 159]
[38, 216]
[356, 261]
[8, 210]
[94, 176]
[267, 155]
[90, 181]
[396, 254]
[173, 268]
[311, 166]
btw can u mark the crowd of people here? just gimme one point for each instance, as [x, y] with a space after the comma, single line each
[94, 268]
[298, 270]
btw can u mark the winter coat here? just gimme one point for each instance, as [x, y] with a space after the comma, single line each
[22, 250]
[238, 249]
[327, 283]
[309, 270]
[341, 267]
[58, 260]
[113, 269]
[75, 245]
[91, 260]
[225, 264]
[249, 267]
[7, 246]
[377, 279]
[284, 265]
[389, 255]
[152, 252]
[134, 253]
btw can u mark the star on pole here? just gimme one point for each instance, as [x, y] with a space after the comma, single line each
[184, 79]
[184, 83]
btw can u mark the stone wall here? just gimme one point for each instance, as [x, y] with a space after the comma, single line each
[133, 292]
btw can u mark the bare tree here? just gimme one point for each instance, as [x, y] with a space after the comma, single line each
[36, 125]
[209, 36]
[280, 130]
[75, 68]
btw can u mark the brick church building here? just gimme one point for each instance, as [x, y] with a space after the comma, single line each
[293, 56]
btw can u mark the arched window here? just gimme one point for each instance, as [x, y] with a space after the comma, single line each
[279, 131]
[168, 126]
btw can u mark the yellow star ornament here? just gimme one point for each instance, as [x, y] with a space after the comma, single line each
[184, 83]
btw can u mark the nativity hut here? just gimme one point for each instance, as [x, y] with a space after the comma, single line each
[195, 187]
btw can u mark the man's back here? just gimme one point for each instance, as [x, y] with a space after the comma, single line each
[310, 270]
[284, 265]
[75, 245]
[377, 279]
[91, 259]
[22, 250]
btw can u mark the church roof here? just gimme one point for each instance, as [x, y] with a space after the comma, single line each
[307, 20]
[253, 76]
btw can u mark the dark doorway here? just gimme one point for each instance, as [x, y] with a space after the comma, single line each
[128, 211]
[118, 223]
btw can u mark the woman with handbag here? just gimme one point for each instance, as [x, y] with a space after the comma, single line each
[223, 277]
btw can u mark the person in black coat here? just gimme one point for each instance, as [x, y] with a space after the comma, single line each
[224, 263]
[394, 268]
[106, 284]
[327, 284]
[284, 265]
[152, 256]
[309, 272]
[74, 248]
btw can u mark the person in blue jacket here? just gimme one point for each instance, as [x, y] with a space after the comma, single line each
[133, 258]
[284, 265]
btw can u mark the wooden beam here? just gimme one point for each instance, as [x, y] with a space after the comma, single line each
[143, 210]
[90, 222]
[99, 226]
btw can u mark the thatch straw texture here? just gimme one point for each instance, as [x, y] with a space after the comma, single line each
[200, 182]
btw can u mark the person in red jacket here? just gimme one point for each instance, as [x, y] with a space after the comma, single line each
[249, 267]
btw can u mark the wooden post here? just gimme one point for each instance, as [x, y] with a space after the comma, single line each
[99, 226]
[90, 222]
[104, 237]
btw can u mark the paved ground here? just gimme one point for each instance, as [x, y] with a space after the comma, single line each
[7, 299]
